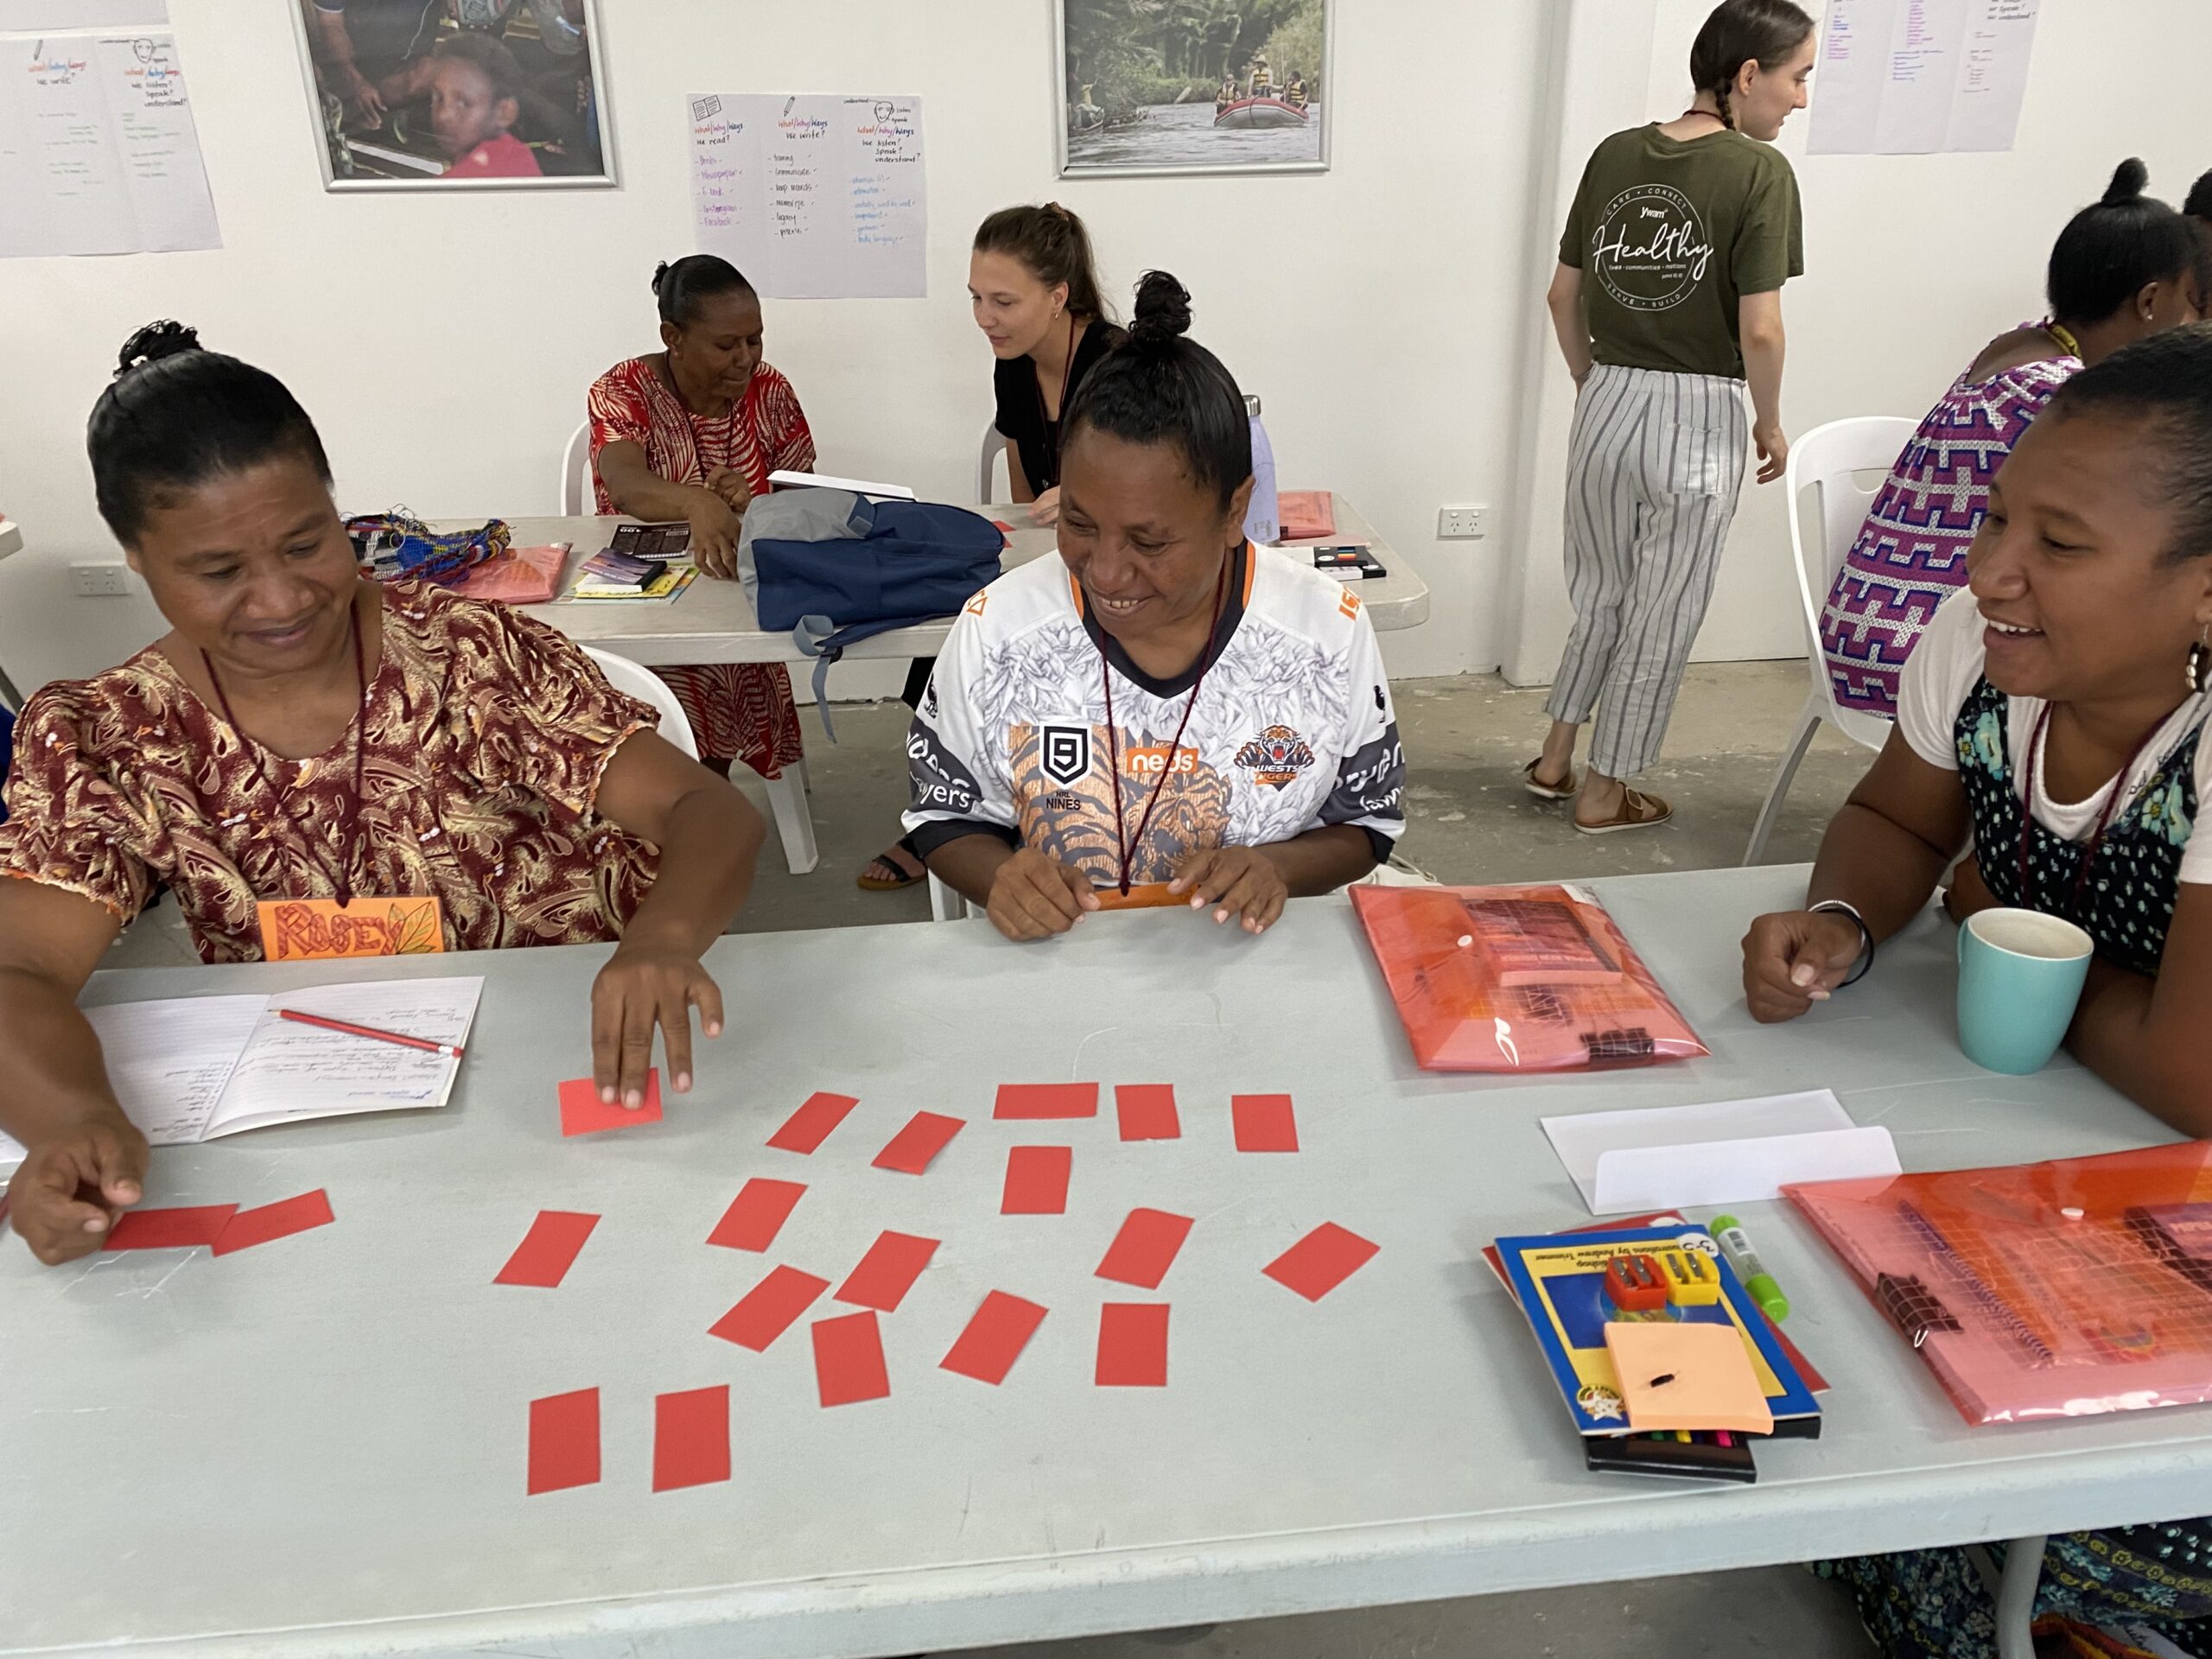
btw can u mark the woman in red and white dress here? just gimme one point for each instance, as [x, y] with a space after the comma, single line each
[691, 433]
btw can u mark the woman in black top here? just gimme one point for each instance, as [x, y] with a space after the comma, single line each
[1035, 290]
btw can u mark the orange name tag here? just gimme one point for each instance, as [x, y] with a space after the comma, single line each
[1143, 895]
[320, 930]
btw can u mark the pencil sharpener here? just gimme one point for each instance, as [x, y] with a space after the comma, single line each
[1692, 1280]
[1636, 1284]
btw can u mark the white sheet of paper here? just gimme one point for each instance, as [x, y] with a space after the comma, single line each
[33, 16]
[1731, 1152]
[151, 112]
[1909, 77]
[1992, 75]
[1853, 67]
[816, 196]
[291, 1072]
[1925, 41]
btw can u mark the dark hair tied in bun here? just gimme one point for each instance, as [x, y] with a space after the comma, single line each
[154, 342]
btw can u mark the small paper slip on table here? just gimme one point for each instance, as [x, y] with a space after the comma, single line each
[355, 1408]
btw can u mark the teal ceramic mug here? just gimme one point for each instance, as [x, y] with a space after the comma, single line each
[2020, 975]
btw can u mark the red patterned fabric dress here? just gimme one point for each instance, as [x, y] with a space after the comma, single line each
[738, 710]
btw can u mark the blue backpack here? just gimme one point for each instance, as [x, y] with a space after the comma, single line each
[835, 568]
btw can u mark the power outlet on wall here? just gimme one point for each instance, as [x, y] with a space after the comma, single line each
[99, 580]
[1462, 524]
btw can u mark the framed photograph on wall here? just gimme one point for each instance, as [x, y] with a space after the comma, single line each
[1194, 86]
[455, 94]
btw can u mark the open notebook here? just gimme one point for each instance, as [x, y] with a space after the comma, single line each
[190, 1068]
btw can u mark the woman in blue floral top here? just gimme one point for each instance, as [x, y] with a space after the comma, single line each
[2052, 718]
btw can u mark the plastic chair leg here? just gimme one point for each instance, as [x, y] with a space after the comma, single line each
[945, 905]
[794, 823]
[1808, 722]
[2015, 1596]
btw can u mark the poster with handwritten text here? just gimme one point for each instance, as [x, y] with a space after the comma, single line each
[1912, 77]
[98, 150]
[812, 196]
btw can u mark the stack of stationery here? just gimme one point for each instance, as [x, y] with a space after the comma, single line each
[609, 575]
[1665, 1361]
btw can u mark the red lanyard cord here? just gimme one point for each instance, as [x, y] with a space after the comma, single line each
[349, 832]
[1126, 847]
[2105, 814]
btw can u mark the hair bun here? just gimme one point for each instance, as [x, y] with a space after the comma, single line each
[2127, 181]
[660, 275]
[154, 342]
[1163, 309]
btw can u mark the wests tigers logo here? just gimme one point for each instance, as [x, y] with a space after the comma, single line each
[1275, 757]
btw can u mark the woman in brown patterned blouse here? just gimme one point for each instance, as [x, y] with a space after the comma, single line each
[304, 733]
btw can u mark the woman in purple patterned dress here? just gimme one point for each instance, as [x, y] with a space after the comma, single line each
[2126, 267]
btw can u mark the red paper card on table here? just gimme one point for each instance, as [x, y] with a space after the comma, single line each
[548, 1249]
[1133, 1345]
[769, 1309]
[1321, 1261]
[691, 1437]
[805, 1129]
[274, 1221]
[1264, 1123]
[1148, 1112]
[1037, 1181]
[1041, 1100]
[887, 1272]
[1145, 1249]
[924, 1136]
[564, 1441]
[756, 1215]
[582, 1112]
[849, 1359]
[168, 1229]
[994, 1338]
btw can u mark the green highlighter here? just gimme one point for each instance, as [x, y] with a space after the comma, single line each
[1728, 1233]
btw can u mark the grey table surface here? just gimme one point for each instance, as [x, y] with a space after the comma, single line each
[317, 1447]
[715, 621]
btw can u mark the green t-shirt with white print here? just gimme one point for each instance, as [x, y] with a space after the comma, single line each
[1669, 234]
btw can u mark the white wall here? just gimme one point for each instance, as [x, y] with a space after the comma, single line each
[1911, 263]
[444, 344]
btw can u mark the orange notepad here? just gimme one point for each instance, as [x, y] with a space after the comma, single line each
[1684, 1376]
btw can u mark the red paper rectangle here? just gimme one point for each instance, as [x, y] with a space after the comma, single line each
[548, 1249]
[769, 1309]
[582, 1112]
[168, 1229]
[887, 1272]
[1321, 1261]
[994, 1338]
[274, 1221]
[1133, 1345]
[756, 1215]
[564, 1441]
[1037, 1181]
[691, 1437]
[924, 1137]
[1145, 1249]
[849, 1359]
[1041, 1100]
[805, 1129]
[1148, 1112]
[1264, 1123]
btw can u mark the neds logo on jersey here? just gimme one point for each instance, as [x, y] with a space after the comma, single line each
[1063, 751]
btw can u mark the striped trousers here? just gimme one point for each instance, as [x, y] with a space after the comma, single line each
[1654, 464]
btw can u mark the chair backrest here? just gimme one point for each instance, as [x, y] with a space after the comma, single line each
[643, 684]
[1845, 464]
[575, 475]
[994, 451]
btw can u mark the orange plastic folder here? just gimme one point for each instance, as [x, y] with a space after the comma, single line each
[2059, 1289]
[1518, 979]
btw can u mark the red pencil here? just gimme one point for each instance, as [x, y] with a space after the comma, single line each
[352, 1030]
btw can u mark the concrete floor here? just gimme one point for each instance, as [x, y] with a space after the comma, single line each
[1469, 821]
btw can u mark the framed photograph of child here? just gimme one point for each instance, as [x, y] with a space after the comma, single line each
[1169, 86]
[455, 94]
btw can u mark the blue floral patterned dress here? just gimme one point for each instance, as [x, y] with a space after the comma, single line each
[1933, 1604]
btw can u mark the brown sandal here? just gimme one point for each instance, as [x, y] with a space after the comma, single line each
[869, 881]
[1544, 791]
[1637, 811]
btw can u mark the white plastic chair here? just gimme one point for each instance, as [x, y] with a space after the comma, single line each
[987, 464]
[576, 474]
[1829, 460]
[945, 905]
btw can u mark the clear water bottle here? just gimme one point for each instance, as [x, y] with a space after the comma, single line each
[1263, 518]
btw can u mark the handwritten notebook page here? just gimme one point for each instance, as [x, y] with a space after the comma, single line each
[291, 1072]
[168, 1061]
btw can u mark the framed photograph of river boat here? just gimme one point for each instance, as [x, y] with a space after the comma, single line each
[1165, 86]
[455, 94]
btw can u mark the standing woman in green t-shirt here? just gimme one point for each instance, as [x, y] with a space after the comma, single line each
[1668, 299]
